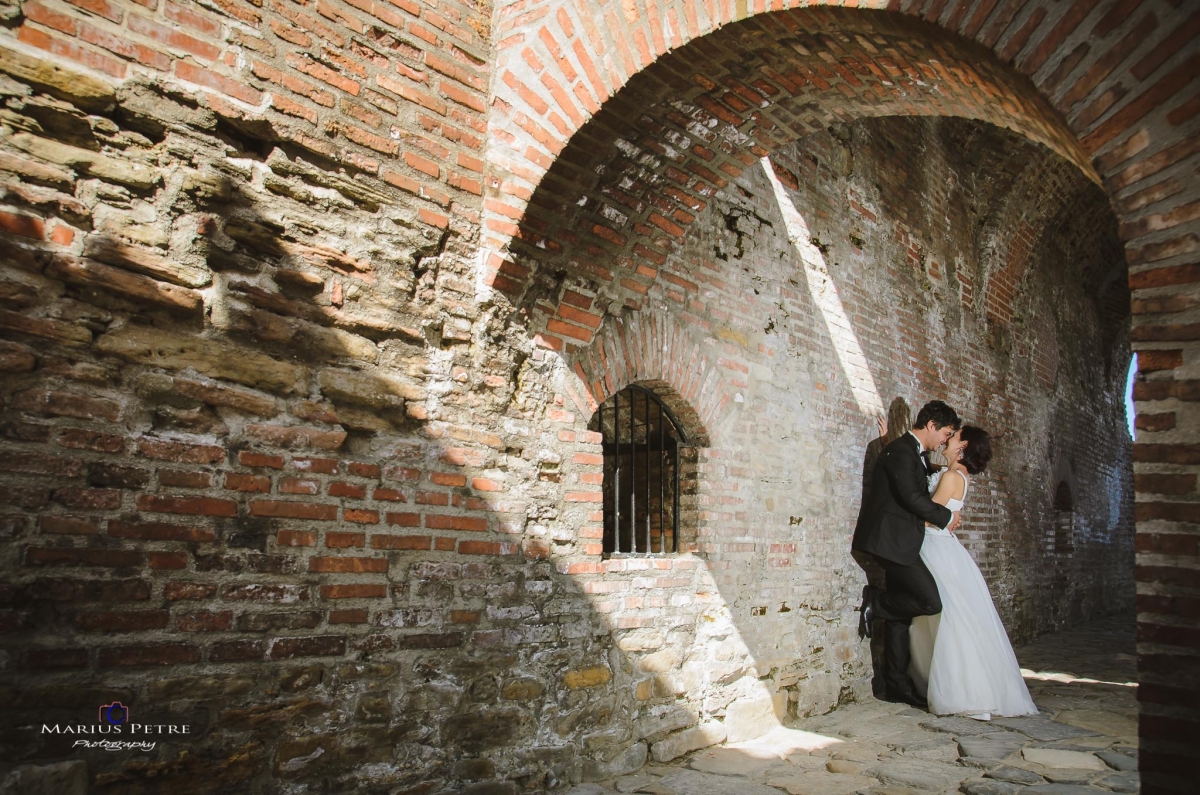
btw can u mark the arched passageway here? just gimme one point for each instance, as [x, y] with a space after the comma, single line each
[592, 219]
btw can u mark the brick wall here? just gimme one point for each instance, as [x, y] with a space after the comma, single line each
[296, 391]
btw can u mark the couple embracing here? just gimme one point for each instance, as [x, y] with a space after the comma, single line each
[945, 648]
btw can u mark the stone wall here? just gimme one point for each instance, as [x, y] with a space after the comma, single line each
[279, 464]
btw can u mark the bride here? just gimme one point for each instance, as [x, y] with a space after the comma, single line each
[962, 655]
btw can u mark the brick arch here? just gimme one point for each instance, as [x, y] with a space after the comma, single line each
[573, 78]
[1037, 202]
[691, 122]
[655, 350]
[1050, 214]
[1093, 239]
[1099, 72]
[1014, 233]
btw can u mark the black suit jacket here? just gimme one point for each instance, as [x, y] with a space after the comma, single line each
[891, 524]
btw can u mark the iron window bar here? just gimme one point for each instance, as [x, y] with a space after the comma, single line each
[629, 526]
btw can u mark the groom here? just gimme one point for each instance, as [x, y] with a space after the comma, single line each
[891, 527]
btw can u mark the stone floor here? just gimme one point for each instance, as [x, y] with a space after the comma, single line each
[1084, 741]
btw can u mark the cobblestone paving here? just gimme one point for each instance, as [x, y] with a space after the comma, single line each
[1083, 742]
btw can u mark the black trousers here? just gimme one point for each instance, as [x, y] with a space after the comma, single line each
[911, 591]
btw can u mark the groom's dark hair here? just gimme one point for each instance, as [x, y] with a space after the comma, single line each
[939, 413]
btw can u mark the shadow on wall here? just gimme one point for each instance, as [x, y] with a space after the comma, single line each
[253, 485]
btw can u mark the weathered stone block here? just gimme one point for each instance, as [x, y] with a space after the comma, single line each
[376, 708]
[1118, 761]
[1042, 728]
[1063, 775]
[218, 395]
[693, 782]
[1053, 757]
[1122, 782]
[522, 689]
[817, 694]
[688, 740]
[989, 788]
[660, 661]
[1099, 721]
[124, 285]
[586, 677]
[623, 763]
[81, 89]
[379, 390]
[483, 730]
[208, 185]
[36, 172]
[961, 727]
[937, 748]
[664, 720]
[749, 717]
[145, 260]
[819, 782]
[991, 746]
[740, 760]
[1015, 775]
[45, 328]
[640, 640]
[17, 295]
[123, 172]
[213, 358]
[16, 358]
[920, 774]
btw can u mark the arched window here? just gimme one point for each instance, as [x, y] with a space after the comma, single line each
[1064, 519]
[641, 441]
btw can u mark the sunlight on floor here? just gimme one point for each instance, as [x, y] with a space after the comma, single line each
[825, 296]
[782, 742]
[1068, 679]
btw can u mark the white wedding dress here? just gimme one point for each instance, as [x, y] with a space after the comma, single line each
[962, 657]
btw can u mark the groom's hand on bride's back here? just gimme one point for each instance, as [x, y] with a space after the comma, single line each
[955, 521]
